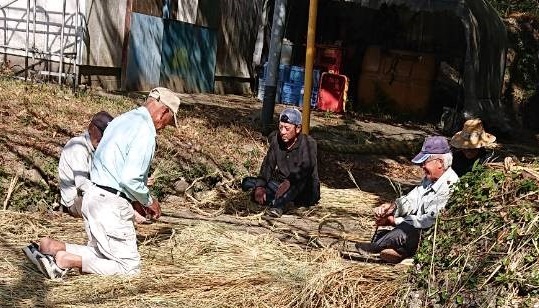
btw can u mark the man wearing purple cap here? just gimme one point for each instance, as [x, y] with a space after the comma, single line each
[418, 209]
[289, 172]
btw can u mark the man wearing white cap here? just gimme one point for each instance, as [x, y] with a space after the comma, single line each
[418, 209]
[289, 172]
[119, 174]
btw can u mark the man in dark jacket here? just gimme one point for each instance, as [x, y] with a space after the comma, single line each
[289, 172]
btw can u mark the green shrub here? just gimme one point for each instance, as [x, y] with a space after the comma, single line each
[483, 248]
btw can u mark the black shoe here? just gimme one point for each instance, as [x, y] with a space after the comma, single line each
[275, 212]
[365, 249]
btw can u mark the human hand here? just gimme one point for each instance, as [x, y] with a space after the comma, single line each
[383, 210]
[385, 221]
[151, 181]
[260, 195]
[140, 219]
[282, 189]
[140, 210]
[152, 178]
[154, 210]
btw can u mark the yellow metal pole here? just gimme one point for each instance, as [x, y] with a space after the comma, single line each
[309, 63]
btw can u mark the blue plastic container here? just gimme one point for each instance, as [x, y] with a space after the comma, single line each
[297, 74]
[263, 71]
[284, 72]
[278, 92]
[314, 99]
[316, 79]
[291, 93]
[262, 90]
[314, 91]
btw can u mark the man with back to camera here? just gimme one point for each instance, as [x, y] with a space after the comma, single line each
[289, 172]
[119, 175]
[75, 162]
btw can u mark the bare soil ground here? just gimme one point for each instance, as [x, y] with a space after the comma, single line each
[212, 247]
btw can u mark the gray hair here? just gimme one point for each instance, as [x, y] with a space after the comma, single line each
[447, 159]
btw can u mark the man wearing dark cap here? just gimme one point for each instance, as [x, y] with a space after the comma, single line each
[119, 175]
[75, 162]
[289, 172]
[417, 210]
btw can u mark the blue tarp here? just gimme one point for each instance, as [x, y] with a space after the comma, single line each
[170, 53]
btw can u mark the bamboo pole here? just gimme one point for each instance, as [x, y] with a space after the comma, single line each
[309, 63]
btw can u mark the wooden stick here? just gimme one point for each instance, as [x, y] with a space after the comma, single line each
[194, 182]
[431, 270]
[11, 189]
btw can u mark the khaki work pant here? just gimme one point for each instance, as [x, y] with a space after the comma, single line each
[112, 243]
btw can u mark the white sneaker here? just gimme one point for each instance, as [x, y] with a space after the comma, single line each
[52, 269]
[32, 253]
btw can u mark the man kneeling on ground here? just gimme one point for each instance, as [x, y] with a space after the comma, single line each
[417, 210]
[289, 172]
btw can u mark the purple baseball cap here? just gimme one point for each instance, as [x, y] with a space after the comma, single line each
[432, 145]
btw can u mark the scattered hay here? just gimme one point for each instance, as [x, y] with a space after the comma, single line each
[338, 287]
[199, 265]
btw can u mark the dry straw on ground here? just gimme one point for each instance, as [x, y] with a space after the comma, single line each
[199, 265]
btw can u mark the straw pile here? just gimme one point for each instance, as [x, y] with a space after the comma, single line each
[199, 265]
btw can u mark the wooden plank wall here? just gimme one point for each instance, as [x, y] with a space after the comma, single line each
[238, 26]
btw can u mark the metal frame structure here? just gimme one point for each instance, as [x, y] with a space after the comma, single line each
[30, 47]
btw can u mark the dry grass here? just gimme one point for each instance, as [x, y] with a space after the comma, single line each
[199, 265]
[36, 120]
